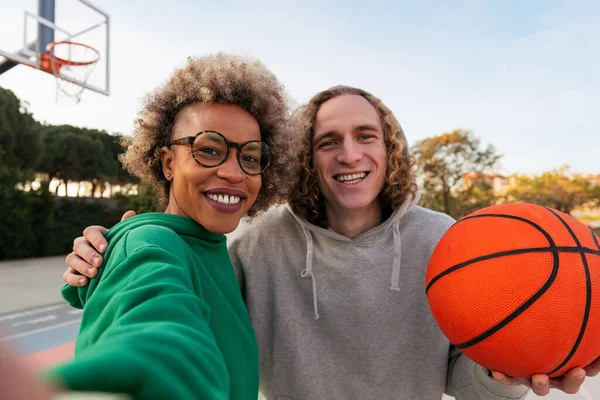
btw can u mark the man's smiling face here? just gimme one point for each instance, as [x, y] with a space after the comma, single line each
[349, 153]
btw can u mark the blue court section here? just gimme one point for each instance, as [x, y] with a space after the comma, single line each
[32, 330]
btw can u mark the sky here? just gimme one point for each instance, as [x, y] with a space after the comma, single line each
[524, 78]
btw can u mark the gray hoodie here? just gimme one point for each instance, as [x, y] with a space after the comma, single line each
[339, 318]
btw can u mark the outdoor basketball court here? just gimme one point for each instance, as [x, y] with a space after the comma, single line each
[69, 41]
[42, 329]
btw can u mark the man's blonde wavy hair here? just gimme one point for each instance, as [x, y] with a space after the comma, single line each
[306, 199]
[214, 79]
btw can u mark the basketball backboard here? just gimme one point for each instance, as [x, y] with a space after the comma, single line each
[69, 39]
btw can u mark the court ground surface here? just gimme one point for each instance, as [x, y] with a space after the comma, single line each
[41, 328]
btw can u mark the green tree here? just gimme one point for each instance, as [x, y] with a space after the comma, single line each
[443, 162]
[88, 157]
[558, 189]
[142, 202]
[77, 154]
[34, 223]
[478, 194]
[57, 161]
[20, 133]
[114, 173]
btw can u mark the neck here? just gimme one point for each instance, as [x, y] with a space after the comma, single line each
[173, 207]
[351, 223]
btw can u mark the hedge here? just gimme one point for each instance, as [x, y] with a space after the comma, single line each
[38, 224]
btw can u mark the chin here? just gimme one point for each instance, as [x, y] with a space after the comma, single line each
[222, 225]
[356, 204]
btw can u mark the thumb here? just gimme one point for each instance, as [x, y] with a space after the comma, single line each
[128, 214]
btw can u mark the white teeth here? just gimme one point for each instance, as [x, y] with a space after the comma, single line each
[352, 177]
[224, 198]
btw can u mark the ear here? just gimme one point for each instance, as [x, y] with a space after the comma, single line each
[167, 159]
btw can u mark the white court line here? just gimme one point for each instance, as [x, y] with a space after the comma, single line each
[35, 320]
[33, 311]
[40, 330]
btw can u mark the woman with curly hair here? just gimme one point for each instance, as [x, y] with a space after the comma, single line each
[164, 318]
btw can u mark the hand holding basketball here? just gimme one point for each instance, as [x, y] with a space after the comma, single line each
[541, 384]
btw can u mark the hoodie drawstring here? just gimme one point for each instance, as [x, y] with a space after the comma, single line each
[307, 272]
[397, 259]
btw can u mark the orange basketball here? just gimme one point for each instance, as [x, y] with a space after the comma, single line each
[516, 287]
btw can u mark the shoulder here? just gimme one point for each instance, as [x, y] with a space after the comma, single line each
[154, 236]
[429, 223]
[150, 241]
[274, 216]
[152, 250]
[434, 219]
[137, 256]
[267, 227]
[275, 229]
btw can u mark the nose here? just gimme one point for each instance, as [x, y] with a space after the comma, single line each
[350, 152]
[230, 170]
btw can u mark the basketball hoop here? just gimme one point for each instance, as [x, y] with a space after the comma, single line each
[69, 62]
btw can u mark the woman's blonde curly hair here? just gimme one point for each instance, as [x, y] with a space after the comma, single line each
[306, 200]
[214, 79]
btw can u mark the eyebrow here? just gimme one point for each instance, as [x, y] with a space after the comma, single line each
[214, 138]
[253, 146]
[325, 135]
[366, 127]
[357, 128]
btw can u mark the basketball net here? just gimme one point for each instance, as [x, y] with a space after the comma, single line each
[72, 61]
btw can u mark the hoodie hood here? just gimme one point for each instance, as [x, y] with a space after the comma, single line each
[371, 236]
[183, 226]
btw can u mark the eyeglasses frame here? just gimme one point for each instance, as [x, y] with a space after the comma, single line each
[238, 146]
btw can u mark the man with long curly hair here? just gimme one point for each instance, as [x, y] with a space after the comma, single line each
[333, 280]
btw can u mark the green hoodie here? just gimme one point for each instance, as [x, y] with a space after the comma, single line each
[164, 318]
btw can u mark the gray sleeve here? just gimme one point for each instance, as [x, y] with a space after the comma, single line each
[234, 240]
[470, 381]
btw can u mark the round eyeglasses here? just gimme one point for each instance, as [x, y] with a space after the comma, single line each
[210, 149]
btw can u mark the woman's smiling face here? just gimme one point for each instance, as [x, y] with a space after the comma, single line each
[217, 197]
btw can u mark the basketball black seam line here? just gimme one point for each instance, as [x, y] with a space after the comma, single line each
[484, 335]
[588, 294]
[568, 249]
[454, 268]
[499, 254]
[595, 239]
[527, 250]
[522, 308]
[587, 251]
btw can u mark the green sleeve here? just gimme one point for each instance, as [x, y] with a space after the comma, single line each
[144, 329]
